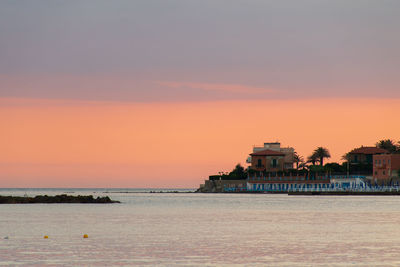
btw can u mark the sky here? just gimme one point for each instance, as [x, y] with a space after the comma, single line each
[165, 93]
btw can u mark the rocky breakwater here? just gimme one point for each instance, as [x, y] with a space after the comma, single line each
[56, 199]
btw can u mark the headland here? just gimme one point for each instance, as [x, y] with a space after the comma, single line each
[56, 199]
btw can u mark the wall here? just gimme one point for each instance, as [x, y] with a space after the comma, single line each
[266, 163]
[385, 167]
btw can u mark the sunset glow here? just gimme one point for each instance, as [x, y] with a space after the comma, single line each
[58, 143]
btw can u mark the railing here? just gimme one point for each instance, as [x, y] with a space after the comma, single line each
[328, 189]
[347, 177]
[351, 189]
[303, 178]
[288, 178]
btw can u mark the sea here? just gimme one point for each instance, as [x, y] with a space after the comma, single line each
[193, 229]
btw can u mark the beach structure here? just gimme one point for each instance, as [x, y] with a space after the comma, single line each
[271, 158]
[319, 183]
[305, 183]
[349, 182]
[386, 169]
[286, 183]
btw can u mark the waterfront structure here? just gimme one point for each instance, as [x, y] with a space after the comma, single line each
[386, 168]
[286, 183]
[348, 182]
[259, 182]
[271, 158]
[365, 154]
[219, 186]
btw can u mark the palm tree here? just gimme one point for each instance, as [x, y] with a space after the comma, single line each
[297, 159]
[388, 144]
[312, 159]
[303, 165]
[321, 153]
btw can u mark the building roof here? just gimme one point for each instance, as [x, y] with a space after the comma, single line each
[267, 152]
[369, 150]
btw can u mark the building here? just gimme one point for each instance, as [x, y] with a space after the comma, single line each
[271, 158]
[365, 154]
[386, 168]
[267, 160]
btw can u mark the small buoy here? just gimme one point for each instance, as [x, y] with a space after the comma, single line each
[46, 236]
[6, 237]
[85, 236]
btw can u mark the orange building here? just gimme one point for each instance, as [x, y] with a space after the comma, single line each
[267, 160]
[385, 168]
[271, 157]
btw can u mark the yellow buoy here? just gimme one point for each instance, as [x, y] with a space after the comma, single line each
[85, 236]
[45, 237]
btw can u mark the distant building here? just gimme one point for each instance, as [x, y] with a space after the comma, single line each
[365, 154]
[271, 158]
[385, 169]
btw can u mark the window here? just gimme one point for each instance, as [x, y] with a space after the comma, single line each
[376, 162]
[376, 173]
[383, 161]
[259, 163]
[274, 163]
[388, 161]
[356, 158]
[383, 172]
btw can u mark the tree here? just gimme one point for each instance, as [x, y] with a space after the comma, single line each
[334, 167]
[389, 145]
[312, 159]
[297, 159]
[321, 153]
[346, 157]
[238, 172]
[303, 165]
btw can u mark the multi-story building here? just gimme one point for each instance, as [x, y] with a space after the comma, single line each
[271, 157]
[386, 168]
[365, 154]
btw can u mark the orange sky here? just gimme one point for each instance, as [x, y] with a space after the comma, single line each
[58, 143]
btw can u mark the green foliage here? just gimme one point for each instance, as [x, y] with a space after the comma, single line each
[297, 159]
[238, 173]
[312, 159]
[316, 168]
[389, 145]
[214, 177]
[335, 167]
[346, 157]
[321, 153]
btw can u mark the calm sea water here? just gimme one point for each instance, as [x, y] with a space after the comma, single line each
[190, 229]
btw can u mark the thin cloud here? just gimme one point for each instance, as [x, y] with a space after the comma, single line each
[224, 87]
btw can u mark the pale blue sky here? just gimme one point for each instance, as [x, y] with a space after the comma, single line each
[292, 49]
